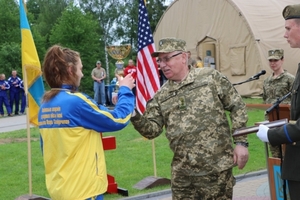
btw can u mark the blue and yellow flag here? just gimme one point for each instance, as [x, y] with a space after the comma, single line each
[31, 68]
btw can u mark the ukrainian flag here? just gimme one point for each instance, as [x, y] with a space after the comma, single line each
[31, 68]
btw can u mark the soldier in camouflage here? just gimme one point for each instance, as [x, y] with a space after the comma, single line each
[192, 107]
[278, 84]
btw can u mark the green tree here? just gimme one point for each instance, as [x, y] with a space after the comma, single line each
[9, 22]
[45, 13]
[106, 13]
[78, 31]
[127, 26]
[33, 7]
[10, 58]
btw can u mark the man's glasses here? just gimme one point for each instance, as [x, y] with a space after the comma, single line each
[167, 59]
[273, 60]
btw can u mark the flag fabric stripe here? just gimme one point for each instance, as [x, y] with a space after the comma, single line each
[31, 68]
[147, 82]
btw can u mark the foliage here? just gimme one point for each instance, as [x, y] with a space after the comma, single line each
[9, 22]
[10, 58]
[76, 30]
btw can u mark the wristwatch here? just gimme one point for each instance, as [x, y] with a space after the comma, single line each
[244, 144]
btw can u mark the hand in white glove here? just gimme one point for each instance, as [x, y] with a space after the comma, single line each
[262, 133]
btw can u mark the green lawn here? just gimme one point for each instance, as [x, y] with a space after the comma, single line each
[129, 163]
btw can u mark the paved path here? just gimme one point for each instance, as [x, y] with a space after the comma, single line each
[12, 123]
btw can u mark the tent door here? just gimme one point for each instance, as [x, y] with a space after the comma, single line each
[207, 50]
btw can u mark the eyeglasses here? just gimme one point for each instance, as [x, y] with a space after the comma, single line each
[167, 59]
[273, 60]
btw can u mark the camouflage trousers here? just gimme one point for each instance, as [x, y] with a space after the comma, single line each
[218, 186]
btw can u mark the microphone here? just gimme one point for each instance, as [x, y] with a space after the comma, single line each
[256, 76]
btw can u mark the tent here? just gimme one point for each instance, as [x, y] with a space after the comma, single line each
[237, 35]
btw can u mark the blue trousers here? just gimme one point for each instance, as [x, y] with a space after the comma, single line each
[23, 102]
[14, 98]
[4, 100]
[99, 92]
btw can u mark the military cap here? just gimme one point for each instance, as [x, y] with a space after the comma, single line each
[291, 12]
[167, 45]
[275, 54]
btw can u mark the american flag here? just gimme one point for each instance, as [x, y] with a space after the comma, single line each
[147, 81]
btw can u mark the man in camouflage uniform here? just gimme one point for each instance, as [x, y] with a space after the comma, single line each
[278, 84]
[191, 106]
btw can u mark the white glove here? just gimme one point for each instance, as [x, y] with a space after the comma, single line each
[262, 133]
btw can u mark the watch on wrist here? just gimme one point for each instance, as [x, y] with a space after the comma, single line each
[244, 144]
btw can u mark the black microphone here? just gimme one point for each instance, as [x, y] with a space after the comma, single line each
[256, 76]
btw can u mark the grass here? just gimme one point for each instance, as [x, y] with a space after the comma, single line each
[129, 163]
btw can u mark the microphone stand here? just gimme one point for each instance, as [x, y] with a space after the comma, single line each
[276, 105]
[250, 79]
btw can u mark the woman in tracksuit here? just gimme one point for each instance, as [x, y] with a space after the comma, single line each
[70, 123]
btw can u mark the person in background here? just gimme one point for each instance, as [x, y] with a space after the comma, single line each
[191, 61]
[192, 107]
[71, 123]
[98, 75]
[277, 85]
[23, 98]
[14, 91]
[199, 63]
[4, 86]
[131, 69]
[289, 133]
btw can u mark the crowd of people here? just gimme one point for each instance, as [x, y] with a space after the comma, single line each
[12, 95]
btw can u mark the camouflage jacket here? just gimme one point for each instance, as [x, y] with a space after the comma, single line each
[274, 89]
[193, 114]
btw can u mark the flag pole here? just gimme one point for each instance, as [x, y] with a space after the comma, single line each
[154, 158]
[147, 83]
[33, 86]
[28, 133]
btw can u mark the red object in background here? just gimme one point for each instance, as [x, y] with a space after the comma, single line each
[109, 143]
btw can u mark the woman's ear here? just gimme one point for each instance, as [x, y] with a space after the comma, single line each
[70, 69]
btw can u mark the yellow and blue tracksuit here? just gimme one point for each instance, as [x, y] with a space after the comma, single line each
[72, 147]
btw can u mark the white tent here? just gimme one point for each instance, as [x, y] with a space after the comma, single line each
[238, 33]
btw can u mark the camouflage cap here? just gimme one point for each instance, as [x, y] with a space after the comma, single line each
[291, 12]
[275, 54]
[167, 45]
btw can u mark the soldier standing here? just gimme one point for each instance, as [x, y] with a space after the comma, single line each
[191, 106]
[278, 84]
